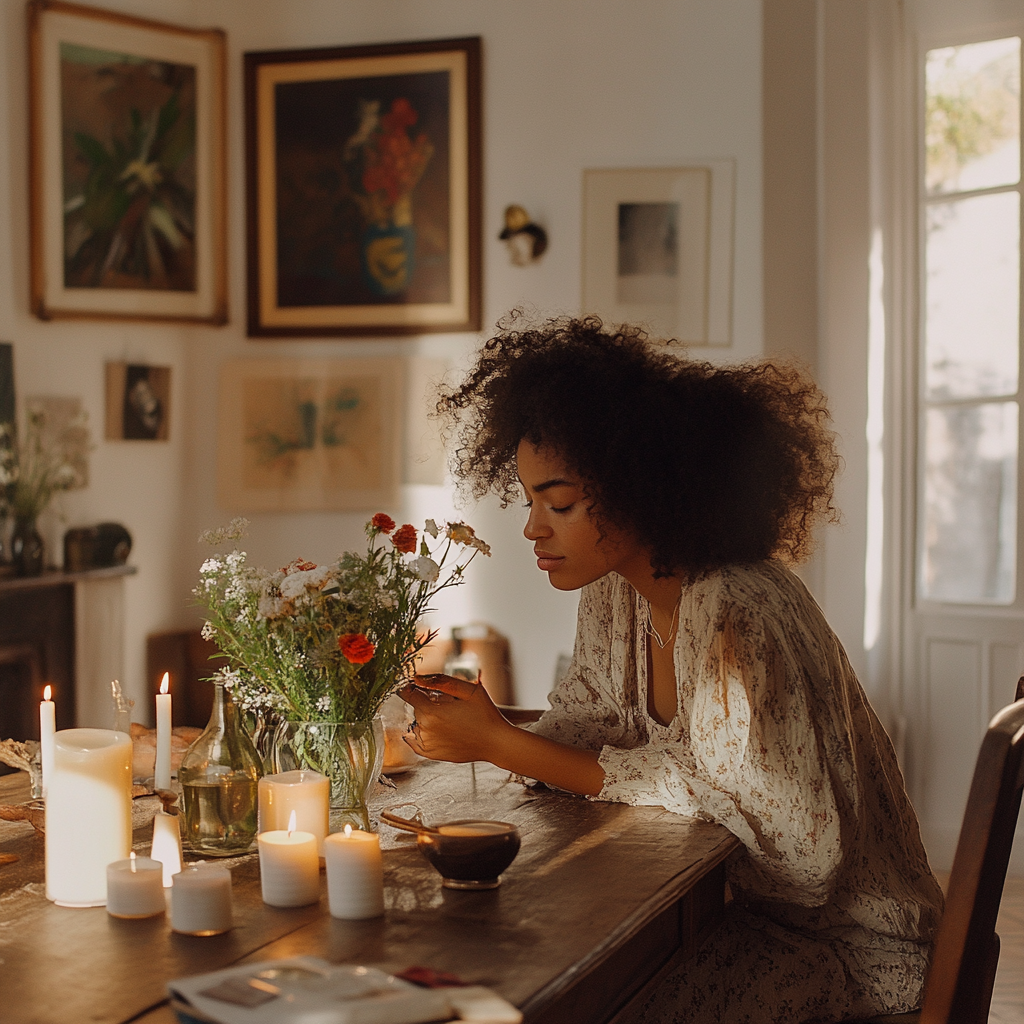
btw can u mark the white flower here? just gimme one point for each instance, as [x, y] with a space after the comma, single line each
[430, 527]
[425, 569]
[324, 704]
[297, 583]
[235, 559]
[210, 566]
[466, 536]
[208, 632]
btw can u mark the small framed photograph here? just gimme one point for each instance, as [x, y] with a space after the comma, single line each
[657, 249]
[363, 189]
[138, 402]
[127, 150]
[299, 435]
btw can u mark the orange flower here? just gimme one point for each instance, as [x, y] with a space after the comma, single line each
[356, 648]
[383, 522]
[405, 539]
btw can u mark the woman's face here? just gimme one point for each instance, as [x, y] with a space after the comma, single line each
[566, 539]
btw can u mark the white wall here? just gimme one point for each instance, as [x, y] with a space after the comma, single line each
[568, 84]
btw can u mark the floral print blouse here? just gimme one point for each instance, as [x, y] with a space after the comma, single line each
[773, 738]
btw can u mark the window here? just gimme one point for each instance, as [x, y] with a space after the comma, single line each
[971, 324]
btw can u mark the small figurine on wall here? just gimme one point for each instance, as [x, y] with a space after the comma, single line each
[526, 241]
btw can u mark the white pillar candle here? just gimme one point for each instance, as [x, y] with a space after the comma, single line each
[162, 774]
[201, 900]
[289, 867]
[88, 814]
[355, 874]
[167, 845]
[135, 888]
[308, 794]
[47, 729]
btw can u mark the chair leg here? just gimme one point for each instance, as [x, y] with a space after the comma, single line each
[987, 982]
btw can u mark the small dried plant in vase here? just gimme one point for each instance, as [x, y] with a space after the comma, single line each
[319, 648]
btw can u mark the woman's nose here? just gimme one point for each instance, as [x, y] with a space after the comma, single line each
[535, 527]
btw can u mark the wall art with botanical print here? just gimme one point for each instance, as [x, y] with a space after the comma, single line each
[310, 434]
[364, 189]
[127, 167]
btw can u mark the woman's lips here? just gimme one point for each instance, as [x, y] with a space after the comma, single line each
[546, 562]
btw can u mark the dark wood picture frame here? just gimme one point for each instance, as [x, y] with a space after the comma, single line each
[128, 167]
[363, 189]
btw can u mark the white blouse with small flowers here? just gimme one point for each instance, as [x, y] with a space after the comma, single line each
[773, 738]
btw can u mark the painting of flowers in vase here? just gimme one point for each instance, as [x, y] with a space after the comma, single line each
[362, 187]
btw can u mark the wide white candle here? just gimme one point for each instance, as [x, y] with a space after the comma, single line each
[308, 794]
[167, 845]
[289, 867]
[135, 888]
[201, 900]
[88, 814]
[355, 874]
[47, 729]
[162, 774]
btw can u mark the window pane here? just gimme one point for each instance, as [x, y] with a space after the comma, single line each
[971, 303]
[970, 504]
[972, 116]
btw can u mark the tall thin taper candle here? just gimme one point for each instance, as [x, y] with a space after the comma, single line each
[47, 728]
[162, 774]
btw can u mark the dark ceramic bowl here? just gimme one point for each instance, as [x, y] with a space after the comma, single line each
[470, 854]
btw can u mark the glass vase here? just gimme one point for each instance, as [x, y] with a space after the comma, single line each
[350, 754]
[219, 775]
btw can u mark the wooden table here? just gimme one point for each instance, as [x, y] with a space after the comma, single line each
[599, 898]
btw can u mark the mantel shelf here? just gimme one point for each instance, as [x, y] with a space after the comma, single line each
[57, 577]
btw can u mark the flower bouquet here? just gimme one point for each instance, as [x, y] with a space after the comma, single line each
[318, 648]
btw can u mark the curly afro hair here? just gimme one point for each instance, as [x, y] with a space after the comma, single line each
[705, 465]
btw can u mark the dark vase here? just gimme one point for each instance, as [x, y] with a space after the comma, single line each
[27, 548]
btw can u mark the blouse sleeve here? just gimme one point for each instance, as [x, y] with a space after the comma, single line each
[753, 762]
[585, 711]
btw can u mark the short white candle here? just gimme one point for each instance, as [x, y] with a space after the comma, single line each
[134, 888]
[47, 729]
[88, 814]
[167, 845]
[289, 867]
[162, 774]
[308, 794]
[355, 874]
[201, 900]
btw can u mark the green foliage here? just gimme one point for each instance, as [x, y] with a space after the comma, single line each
[289, 635]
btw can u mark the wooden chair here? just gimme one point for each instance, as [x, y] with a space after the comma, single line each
[959, 985]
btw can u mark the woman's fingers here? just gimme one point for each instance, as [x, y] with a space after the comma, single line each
[461, 689]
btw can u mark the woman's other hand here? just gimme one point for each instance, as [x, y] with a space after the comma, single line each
[456, 720]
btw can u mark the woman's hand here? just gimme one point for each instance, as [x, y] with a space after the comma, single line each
[456, 720]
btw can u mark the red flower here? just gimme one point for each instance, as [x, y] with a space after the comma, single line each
[299, 565]
[405, 539]
[356, 648]
[383, 522]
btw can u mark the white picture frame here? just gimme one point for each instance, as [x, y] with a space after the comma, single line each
[658, 249]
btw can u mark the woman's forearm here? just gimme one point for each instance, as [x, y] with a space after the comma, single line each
[548, 761]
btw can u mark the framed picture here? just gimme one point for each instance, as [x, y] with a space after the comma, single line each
[127, 153]
[657, 249]
[363, 189]
[310, 434]
[138, 402]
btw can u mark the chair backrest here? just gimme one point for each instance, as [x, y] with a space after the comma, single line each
[959, 986]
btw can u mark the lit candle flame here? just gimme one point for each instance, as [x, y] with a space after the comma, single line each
[47, 690]
[165, 682]
[348, 831]
[131, 857]
[291, 823]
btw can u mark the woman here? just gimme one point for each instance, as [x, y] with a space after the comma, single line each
[704, 677]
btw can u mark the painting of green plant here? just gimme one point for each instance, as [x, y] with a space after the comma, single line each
[128, 128]
[313, 433]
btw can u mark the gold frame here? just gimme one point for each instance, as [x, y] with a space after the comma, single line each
[52, 22]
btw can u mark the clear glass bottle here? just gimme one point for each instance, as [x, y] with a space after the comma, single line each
[219, 775]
